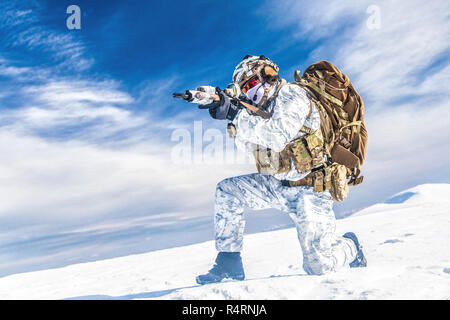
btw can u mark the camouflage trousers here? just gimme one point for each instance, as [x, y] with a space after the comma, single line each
[323, 251]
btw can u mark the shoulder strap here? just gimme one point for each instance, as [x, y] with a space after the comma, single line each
[311, 85]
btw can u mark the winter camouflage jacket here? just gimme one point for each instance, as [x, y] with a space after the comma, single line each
[291, 108]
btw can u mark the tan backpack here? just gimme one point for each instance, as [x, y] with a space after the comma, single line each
[342, 115]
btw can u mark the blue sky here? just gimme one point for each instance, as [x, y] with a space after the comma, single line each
[87, 116]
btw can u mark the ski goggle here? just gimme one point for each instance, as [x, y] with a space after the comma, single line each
[251, 83]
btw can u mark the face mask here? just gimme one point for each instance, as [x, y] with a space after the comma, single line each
[256, 93]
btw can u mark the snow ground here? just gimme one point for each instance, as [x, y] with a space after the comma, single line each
[405, 239]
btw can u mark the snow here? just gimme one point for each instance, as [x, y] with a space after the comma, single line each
[405, 240]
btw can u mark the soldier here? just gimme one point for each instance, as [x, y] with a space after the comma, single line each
[285, 136]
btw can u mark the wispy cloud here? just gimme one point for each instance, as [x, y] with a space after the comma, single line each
[57, 93]
[22, 27]
[15, 13]
[386, 63]
[310, 20]
[397, 60]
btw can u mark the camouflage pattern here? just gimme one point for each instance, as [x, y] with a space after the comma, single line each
[271, 162]
[267, 138]
[306, 152]
[298, 150]
[339, 184]
[311, 212]
[314, 142]
[290, 112]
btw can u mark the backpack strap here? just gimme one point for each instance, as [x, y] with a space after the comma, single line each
[263, 114]
[304, 128]
[304, 82]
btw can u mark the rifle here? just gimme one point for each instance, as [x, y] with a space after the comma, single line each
[196, 96]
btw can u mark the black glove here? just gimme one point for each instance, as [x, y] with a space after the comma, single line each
[226, 108]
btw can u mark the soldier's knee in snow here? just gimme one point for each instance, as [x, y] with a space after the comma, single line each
[225, 184]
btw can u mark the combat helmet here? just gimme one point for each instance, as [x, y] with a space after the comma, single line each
[254, 66]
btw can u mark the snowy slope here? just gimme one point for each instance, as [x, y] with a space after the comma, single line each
[405, 239]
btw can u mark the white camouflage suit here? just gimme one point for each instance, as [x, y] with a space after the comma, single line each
[312, 212]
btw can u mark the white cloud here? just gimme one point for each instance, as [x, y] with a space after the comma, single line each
[311, 20]
[384, 63]
[13, 71]
[62, 179]
[59, 92]
[406, 140]
[96, 109]
[20, 73]
[66, 181]
[391, 62]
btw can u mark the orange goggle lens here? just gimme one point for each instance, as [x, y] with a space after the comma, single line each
[250, 84]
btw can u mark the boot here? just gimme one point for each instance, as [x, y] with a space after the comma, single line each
[227, 265]
[360, 260]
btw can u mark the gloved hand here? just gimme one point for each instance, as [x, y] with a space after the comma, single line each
[226, 108]
[201, 95]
